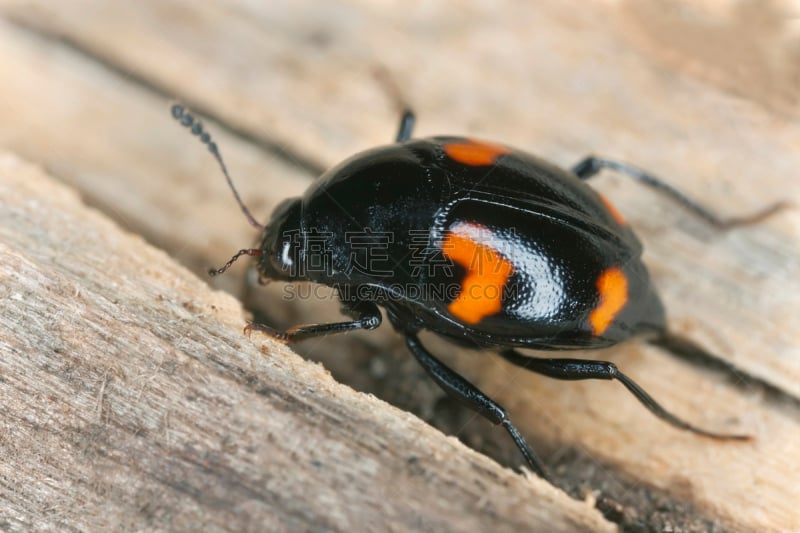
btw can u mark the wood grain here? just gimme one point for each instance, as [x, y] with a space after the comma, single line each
[131, 401]
[85, 93]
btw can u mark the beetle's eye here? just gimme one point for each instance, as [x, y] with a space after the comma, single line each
[286, 257]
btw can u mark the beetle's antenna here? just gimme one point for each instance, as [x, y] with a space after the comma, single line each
[187, 120]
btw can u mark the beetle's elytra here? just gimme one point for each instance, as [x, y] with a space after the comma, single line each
[483, 244]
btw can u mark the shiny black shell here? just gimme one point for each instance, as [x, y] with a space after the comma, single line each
[375, 227]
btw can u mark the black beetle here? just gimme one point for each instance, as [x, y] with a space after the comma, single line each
[480, 243]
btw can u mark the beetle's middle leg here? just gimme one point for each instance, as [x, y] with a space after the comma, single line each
[469, 395]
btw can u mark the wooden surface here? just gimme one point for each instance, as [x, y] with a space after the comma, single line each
[132, 401]
[705, 96]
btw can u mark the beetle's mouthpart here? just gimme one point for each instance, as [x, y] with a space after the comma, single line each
[252, 252]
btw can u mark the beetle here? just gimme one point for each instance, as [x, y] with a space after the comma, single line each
[480, 243]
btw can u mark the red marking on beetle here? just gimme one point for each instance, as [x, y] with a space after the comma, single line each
[613, 210]
[487, 274]
[613, 288]
[475, 153]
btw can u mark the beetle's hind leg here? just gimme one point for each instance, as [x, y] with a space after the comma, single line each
[579, 369]
[469, 395]
[591, 165]
[366, 316]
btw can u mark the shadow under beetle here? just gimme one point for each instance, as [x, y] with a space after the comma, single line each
[483, 244]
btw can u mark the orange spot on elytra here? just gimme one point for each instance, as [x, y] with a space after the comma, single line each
[475, 153]
[613, 210]
[613, 288]
[487, 273]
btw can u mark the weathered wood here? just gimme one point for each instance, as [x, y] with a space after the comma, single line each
[611, 80]
[131, 401]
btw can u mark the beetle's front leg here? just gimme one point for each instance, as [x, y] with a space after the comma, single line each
[366, 315]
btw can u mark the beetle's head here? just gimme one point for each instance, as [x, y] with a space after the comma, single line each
[280, 243]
